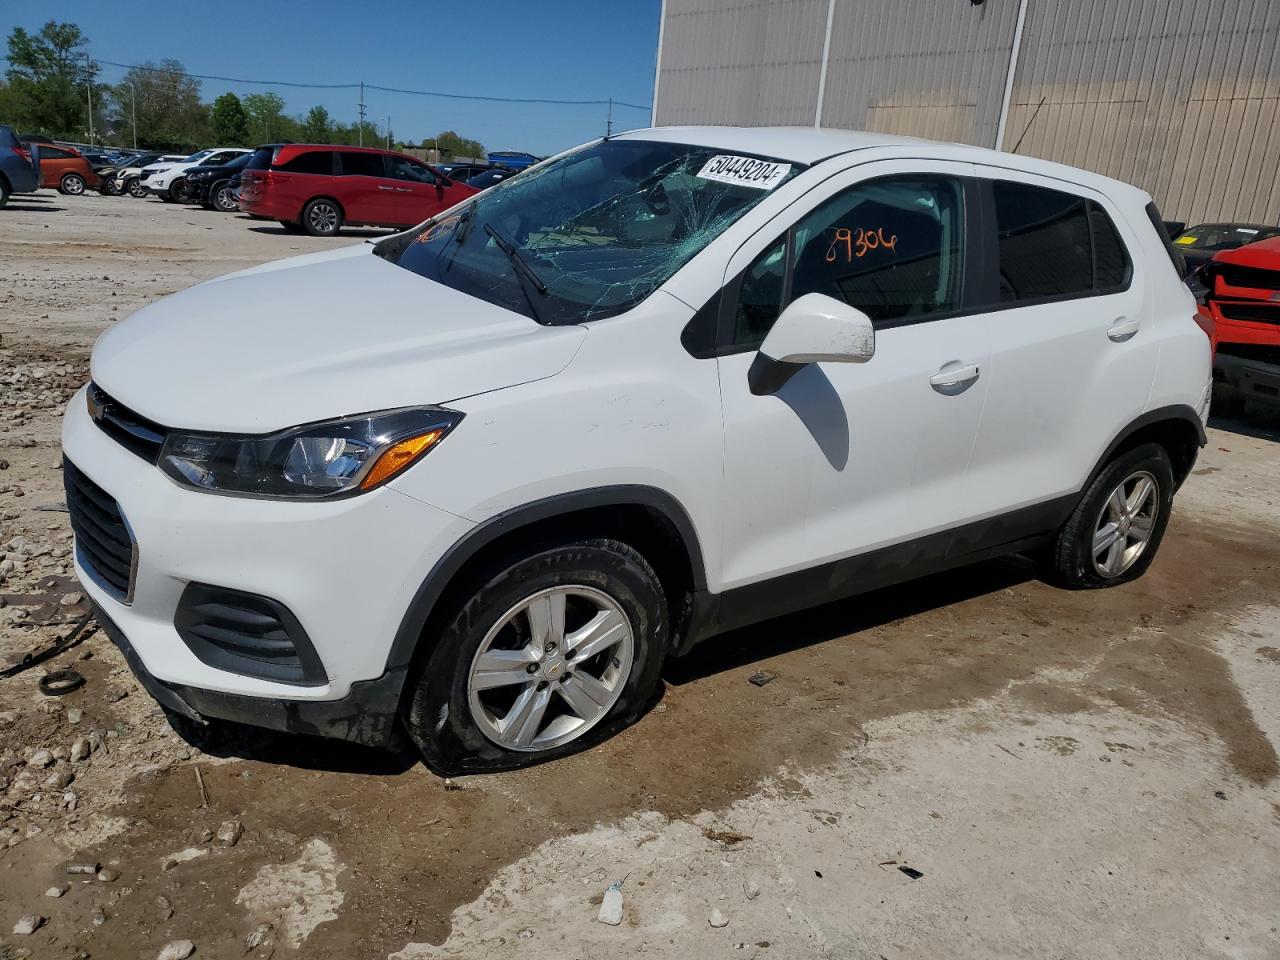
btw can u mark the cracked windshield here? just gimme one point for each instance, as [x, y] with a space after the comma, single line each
[591, 234]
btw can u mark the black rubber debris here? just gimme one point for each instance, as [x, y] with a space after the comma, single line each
[912, 872]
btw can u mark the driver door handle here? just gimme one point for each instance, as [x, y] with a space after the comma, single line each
[382, 187]
[949, 378]
[1123, 329]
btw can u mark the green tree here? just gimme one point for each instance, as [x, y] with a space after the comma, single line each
[229, 122]
[267, 122]
[171, 115]
[452, 145]
[318, 126]
[48, 73]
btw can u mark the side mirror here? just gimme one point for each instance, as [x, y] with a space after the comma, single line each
[812, 329]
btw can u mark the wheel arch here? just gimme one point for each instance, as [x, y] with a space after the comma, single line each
[647, 518]
[1177, 428]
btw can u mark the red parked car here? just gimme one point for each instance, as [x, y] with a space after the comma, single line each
[320, 187]
[1243, 301]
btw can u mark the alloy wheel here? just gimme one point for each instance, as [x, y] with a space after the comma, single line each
[73, 185]
[1125, 524]
[136, 189]
[222, 199]
[323, 217]
[550, 668]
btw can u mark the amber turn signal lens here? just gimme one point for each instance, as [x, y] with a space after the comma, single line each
[400, 456]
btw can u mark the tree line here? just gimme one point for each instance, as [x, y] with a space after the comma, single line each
[51, 79]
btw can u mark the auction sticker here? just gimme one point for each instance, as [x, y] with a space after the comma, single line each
[744, 171]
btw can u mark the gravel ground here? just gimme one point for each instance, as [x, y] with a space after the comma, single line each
[1069, 775]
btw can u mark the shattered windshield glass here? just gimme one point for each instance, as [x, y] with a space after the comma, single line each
[591, 234]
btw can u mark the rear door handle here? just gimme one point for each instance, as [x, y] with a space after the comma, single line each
[1123, 330]
[954, 377]
[381, 187]
[403, 190]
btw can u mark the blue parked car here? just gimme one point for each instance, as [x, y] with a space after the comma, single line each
[19, 165]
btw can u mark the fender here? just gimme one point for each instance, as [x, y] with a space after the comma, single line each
[424, 600]
[1177, 411]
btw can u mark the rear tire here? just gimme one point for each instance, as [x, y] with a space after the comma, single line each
[220, 198]
[575, 636]
[322, 217]
[1115, 531]
[4, 192]
[107, 188]
[134, 188]
[72, 184]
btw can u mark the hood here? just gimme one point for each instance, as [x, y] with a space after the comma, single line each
[1264, 254]
[320, 336]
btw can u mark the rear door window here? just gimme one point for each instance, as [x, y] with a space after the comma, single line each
[1054, 245]
[361, 164]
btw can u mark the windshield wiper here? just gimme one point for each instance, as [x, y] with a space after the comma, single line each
[524, 273]
[517, 258]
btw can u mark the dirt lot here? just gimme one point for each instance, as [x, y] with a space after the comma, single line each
[1073, 775]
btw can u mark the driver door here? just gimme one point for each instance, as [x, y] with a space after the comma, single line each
[846, 459]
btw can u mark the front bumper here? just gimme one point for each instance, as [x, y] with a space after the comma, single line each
[1252, 379]
[366, 715]
[347, 569]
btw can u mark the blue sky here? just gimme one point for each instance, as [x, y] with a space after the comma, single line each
[558, 49]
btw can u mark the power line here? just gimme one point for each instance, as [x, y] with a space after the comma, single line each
[370, 86]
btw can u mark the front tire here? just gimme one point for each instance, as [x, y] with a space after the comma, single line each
[178, 190]
[552, 653]
[135, 189]
[72, 185]
[322, 218]
[109, 188]
[1113, 534]
[4, 192]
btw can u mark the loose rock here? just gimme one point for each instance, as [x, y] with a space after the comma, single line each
[230, 832]
[751, 888]
[27, 925]
[177, 950]
[56, 892]
[41, 758]
[107, 875]
[717, 919]
[59, 779]
[259, 936]
[80, 749]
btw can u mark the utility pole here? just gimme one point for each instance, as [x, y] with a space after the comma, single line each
[388, 131]
[88, 85]
[361, 126]
[608, 124]
[133, 110]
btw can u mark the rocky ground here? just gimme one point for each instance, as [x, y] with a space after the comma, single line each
[976, 765]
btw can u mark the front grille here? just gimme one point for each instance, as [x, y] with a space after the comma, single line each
[1255, 278]
[1261, 352]
[133, 432]
[1250, 312]
[104, 544]
[247, 634]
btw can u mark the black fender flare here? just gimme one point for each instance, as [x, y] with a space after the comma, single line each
[405, 643]
[1177, 411]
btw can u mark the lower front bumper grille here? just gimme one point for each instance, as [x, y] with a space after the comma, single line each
[104, 543]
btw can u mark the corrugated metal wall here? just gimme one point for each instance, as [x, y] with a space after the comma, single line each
[745, 62]
[1179, 96]
[919, 67]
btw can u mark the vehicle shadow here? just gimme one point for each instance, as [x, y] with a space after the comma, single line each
[226, 739]
[32, 207]
[1256, 423]
[844, 617]
[280, 231]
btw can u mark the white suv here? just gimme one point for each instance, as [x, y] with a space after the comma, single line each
[482, 477]
[166, 179]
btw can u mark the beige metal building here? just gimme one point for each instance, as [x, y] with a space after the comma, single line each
[1179, 96]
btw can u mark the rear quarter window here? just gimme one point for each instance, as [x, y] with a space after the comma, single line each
[313, 161]
[1157, 222]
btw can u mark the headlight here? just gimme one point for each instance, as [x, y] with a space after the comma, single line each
[159, 170]
[330, 459]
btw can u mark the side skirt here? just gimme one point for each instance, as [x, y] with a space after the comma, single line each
[1025, 529]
